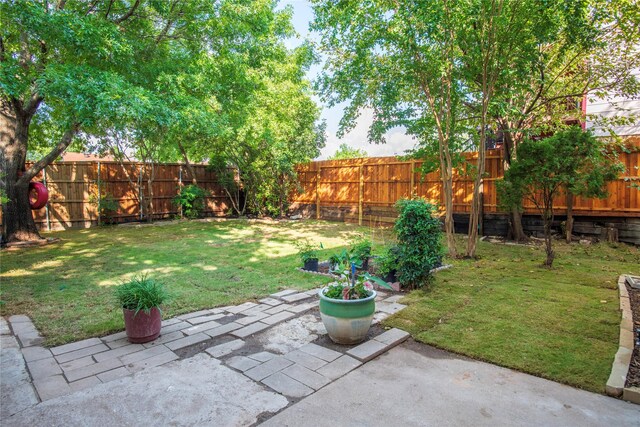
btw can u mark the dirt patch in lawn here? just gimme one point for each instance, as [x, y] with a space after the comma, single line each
[633, 377]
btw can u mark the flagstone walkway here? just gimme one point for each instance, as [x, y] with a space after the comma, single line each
[270, 342]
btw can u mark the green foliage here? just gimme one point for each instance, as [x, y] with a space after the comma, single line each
[351, 286]
[307, 251]
[339, 260]
[361, 289]
[389, 260]
[191, 199]
[419, 241]
[569, 160]
[360, 250]
[166, 81]
[347, 152]
[141, 293]
[105, 203]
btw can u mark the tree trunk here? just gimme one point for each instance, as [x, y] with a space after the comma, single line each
[516, 231]
[474, 215]
[17, 219]
[449, 227]
[569, 223]
[188, 164]
[150, 200]
[547, 217]
[515, 223]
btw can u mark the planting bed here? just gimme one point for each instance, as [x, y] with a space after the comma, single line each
[633, 377]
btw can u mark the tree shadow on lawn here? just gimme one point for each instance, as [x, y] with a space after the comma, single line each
[67, 288]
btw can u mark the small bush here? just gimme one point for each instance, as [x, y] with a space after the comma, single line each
[141, 293]
[191, 200]
[389, 260]
[360, 251]
[419, 241]
[307, 251]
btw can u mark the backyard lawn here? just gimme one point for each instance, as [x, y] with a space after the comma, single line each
[67, 288]
[561, 324]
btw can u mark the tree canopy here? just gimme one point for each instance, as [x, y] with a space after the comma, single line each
[187, 78]
[448, 71]
[345, 151]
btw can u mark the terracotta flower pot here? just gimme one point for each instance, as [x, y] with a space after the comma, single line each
[142, 327]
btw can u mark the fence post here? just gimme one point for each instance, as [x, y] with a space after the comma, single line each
[360, 194]
[318, 192]
[413, 179]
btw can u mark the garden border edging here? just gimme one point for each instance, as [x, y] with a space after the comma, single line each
[615, 384]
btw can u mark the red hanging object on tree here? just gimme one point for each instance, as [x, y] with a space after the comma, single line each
[38, 195]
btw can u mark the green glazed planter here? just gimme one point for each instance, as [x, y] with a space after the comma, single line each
[347, 321]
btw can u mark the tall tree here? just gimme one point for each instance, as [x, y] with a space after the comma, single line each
[398, 58]
[83, 70]
[569, 50]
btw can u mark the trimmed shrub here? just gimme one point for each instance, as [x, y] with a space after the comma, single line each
[419, 241]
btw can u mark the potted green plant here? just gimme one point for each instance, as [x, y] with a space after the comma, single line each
[337, 262]
[140, 299]
[388, 264]
[309, 255]
[347, 306]
[361, 252]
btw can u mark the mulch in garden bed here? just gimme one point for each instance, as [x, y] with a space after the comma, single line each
[633, 377]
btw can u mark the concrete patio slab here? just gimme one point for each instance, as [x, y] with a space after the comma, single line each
[195, 391]
[417, 385]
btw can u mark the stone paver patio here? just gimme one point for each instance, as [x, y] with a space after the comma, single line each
[241, 337]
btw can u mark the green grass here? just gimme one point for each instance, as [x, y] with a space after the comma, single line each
[560, 324]
[505, 308]
[67, 287]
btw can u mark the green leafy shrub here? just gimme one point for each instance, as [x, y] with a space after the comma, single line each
[360, 251]
[389, 260]
[191, 200]
[141, 293]
[307, 251]
[419, 241]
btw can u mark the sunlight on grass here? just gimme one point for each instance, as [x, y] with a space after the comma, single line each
[205, 267]
[17, 273]
[67, 287]
[559, 323]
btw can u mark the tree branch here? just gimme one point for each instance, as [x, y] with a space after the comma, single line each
[33, 103]
[167, 27]
[53, 154]
[129, 13]
[106, 14]
[91, 7]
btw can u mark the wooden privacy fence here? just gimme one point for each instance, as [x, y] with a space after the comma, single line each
[358, 190]
[74, 188]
